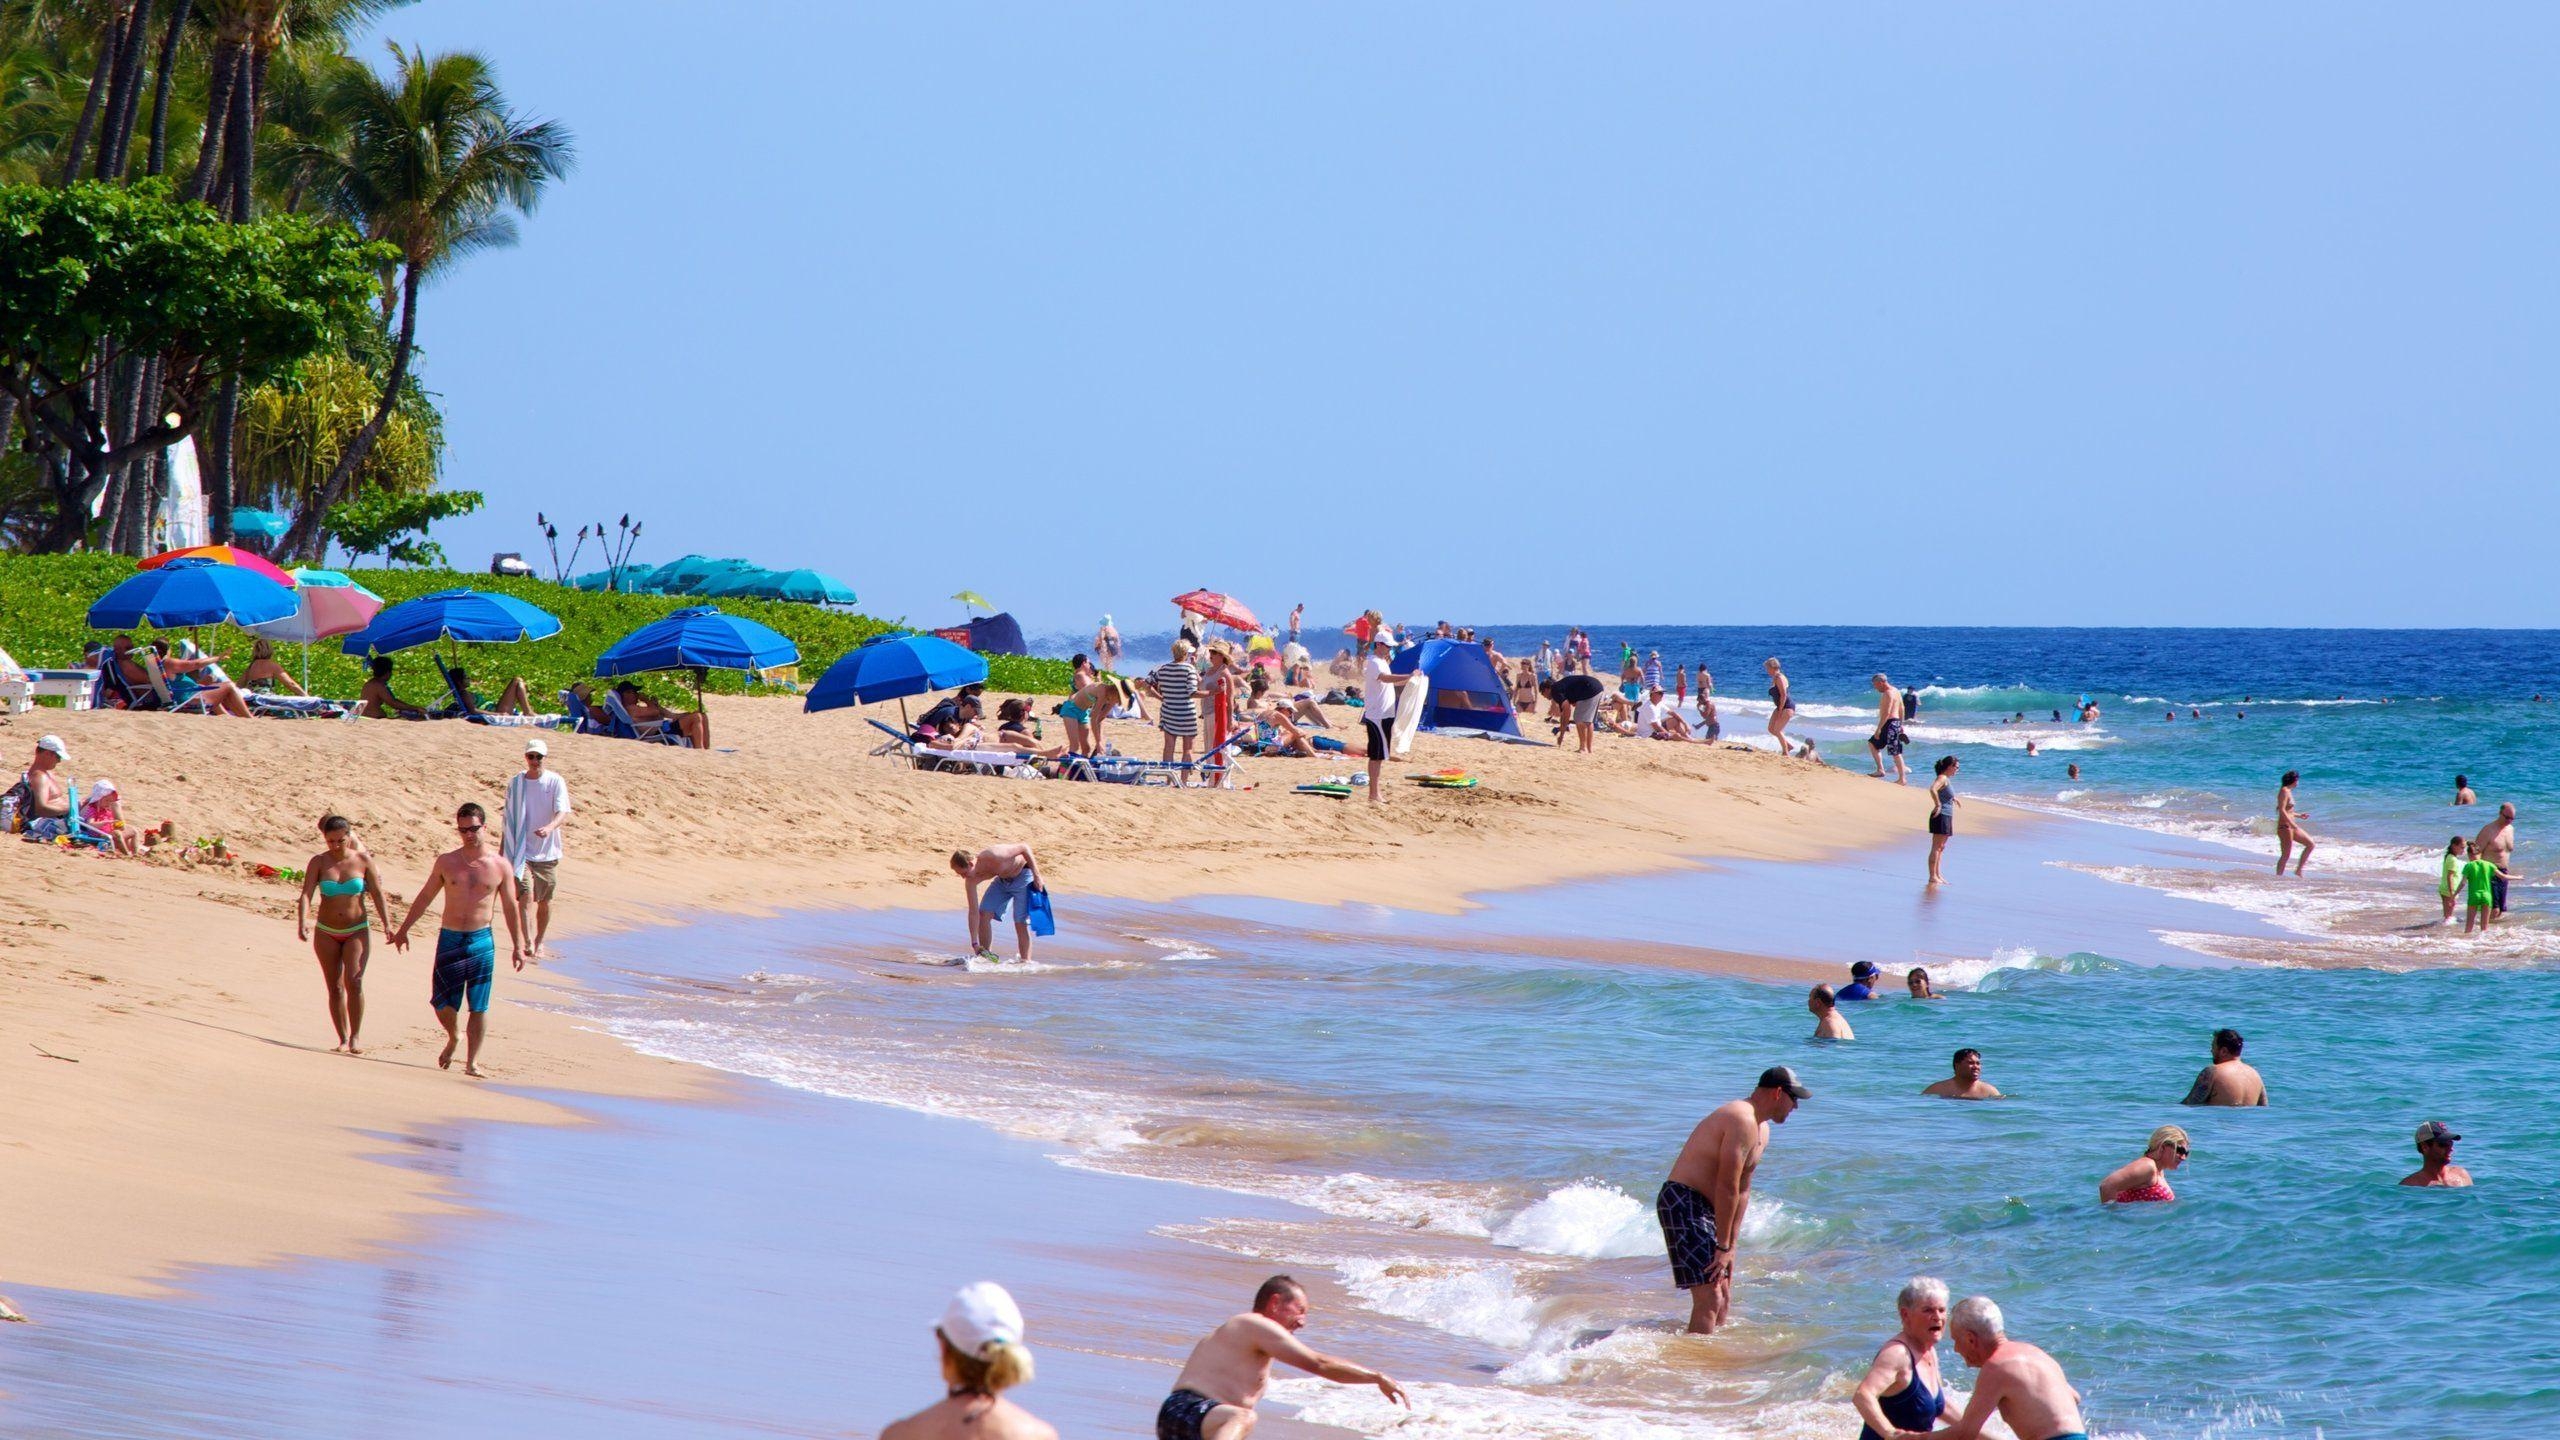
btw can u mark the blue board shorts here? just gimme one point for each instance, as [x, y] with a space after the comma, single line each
[466, 963]
[1015, 892]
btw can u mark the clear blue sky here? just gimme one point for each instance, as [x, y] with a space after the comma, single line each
[1860, 313]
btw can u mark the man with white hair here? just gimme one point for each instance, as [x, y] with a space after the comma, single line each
[2018, 1382]
[1903, 1390]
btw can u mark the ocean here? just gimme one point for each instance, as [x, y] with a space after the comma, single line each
[2378, 722]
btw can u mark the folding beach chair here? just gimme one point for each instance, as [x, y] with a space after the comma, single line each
[899, 743]
[466, 706]
[193, 704]
[582, 721]
[623, 727]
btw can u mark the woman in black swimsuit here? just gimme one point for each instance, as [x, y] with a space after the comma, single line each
[1782, 703]
[1942, 814]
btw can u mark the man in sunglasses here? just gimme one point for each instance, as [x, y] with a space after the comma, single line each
[473, 878]
[2435, 1158]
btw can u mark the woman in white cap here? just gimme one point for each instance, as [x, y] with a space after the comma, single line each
[982, 1357]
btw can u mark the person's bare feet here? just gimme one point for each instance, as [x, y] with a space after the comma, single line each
[445, 1060]
[352, 1050]
[473, 1071]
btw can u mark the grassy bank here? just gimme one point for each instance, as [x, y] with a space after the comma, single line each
[45, 599]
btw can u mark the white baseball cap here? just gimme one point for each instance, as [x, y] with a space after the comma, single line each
[54, 744]
[980, 1316]
[535, 746]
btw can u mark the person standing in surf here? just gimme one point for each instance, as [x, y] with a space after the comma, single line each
[2289, 831]
[2435, 1159]
[1782, 703]
[1890, 737]
[1379, 688]
[2496, 843]
[1903, 1390]
[2462, 791]
[1106, 645]
[1942, 813]
[2144, 1179]
[1701, 1205]
[2456, 855]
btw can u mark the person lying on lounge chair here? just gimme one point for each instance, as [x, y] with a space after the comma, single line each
[1277, 732]
[187, 681]
[514, 700]
[693, 725]
[375, 701]
[1015, 731]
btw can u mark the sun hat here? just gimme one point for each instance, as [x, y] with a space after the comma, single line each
[979, 1317]
[101, 787]
[2436, 1132]
[54, 744]
[535, 746]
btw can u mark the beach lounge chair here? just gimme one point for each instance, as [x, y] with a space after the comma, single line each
[296, 707]
[192, 705]
[622, 727]
[1126, 769]
[925, 757]
[582, 720]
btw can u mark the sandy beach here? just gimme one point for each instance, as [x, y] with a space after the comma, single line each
[179, 1104]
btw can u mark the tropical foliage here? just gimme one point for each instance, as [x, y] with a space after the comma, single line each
[393, 523]
[255, 109]
[44, 603]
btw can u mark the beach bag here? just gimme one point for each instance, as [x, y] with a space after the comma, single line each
[1036, 912]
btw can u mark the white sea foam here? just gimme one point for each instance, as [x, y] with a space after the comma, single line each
[2011, 737]
[1481, 1300]
[1481, 1412]
[1587, 1220]
[1963, 973]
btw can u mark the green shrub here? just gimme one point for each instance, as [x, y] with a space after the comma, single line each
[45, 599]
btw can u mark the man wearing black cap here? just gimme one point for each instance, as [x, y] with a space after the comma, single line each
[1701, 1206]
[1862, 982]
[2435, 1158]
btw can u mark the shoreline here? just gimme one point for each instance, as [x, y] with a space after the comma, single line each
[185, 1127]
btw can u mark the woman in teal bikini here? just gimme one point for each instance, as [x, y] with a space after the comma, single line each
[343, 876]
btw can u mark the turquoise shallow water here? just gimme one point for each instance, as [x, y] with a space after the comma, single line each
[1476, 1135]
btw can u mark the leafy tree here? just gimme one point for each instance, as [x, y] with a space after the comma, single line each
[381, 522]
[433, 162]
[294, 428]
[92, 274]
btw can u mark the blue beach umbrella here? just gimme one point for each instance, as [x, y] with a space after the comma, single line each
[808, 587]
[893, 667]
[265, 524]
[627, 579]
[478, 617]
[697, 639]
[190, 592]
[688, 575]
[752, 580]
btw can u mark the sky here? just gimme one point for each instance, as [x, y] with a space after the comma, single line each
[1598, 313]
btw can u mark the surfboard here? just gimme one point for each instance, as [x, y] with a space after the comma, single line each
[1336, 791]
[1411, 698]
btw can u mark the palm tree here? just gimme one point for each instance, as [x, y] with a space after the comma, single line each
[433, 162]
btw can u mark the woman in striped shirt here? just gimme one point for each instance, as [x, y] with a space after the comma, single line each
[1174, 684]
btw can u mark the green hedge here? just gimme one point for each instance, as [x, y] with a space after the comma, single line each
[45, 599]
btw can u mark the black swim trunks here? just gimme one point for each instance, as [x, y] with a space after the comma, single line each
[2497, 895]
[1179, 1417]
[1889, 737]
[1688, 1233]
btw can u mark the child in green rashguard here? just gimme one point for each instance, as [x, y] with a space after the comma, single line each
[2477, 875]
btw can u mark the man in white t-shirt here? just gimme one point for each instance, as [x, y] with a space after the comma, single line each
[1657, 721]
[1378, 689]
[537, 806]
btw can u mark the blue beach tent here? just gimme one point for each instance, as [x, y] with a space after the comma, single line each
[1466, 692]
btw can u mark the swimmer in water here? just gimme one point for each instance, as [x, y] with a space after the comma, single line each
[2462, 791]
[1921, 986]
[2435, 1159]
[2145, 1178]
[2031, 745]
[1828, 1023]
[2075, 770]
[1967, 1082]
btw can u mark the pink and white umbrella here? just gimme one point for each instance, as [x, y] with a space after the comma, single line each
[328, 603]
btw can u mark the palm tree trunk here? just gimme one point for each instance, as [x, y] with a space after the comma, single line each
[241, 152]
[305, 534]
[124, 103]
[223, 78]
[8, 423]
[165, 82]
[110, 41]
[219, 457]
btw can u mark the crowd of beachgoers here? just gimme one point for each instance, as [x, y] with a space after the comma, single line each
[1214, 697]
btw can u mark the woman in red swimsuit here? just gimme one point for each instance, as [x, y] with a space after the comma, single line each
[2147, 1178]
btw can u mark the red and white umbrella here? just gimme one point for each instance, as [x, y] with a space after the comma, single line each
[1219, 609]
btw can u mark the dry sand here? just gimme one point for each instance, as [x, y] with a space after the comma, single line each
[167, 1045]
